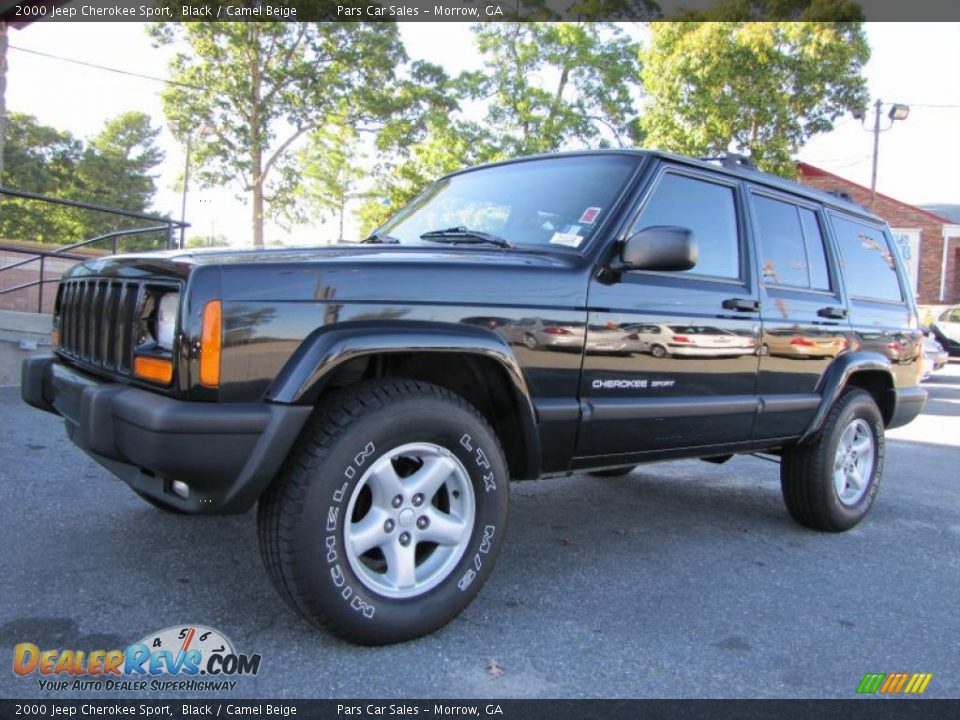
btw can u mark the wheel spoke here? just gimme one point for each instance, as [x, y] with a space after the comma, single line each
[428, 479]
[368, 533]
[385, 484]
[854, 479]
[401, 564]
[443, 529]
[863, 444]
[838, 461]
[846, 440]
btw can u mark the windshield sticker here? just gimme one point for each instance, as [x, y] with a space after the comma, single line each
[568, 239]
[590, 215]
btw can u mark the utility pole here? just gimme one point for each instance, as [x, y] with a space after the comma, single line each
[898, 111]
[876, 149]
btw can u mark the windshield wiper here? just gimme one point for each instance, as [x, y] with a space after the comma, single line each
[465, 235]
[381, 239]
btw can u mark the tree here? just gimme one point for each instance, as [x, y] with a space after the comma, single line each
[4, 43]
[425, 137]
[44, 160]
[257, 88]
[331, 168]
[113, 170]
[555, 85]
[543, 87]
[755, 87]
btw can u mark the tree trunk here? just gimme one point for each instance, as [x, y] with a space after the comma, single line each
[256, 152]
[343, 207]
[258, 215]
[3, 94]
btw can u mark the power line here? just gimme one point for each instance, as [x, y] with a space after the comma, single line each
[927, 105]
[107, 69]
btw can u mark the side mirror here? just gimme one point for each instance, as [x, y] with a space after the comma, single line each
[665, 248]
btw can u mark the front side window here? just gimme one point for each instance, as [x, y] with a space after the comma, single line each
[868, 261]
[706, 208]
[553, 202]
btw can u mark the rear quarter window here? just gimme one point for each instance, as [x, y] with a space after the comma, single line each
[868, 262]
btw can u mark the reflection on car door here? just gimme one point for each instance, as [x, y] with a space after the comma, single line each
[648, 398]
[805, 325]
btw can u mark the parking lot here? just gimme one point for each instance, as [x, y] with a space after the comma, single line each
[683, 579]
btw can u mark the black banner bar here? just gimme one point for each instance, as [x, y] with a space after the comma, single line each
[859, 709]
[473, 10]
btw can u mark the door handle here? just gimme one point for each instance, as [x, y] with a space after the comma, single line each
[741, 305]
[835, 313]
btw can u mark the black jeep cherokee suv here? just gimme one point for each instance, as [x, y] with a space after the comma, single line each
[585, 311]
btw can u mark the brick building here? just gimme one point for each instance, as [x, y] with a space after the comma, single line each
[930, 244]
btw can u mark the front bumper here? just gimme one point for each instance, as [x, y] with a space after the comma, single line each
[226, 453]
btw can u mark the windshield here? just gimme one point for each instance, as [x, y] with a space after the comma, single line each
[553, 202]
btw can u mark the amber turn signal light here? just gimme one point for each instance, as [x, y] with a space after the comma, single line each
[55, 338]
[210, 345]
[155, 369]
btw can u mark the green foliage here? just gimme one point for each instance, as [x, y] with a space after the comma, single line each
[760, 88]
[543, 87]
[113, 170]
[203, 241]
[330, 167]
[266, 85]
[556, 85]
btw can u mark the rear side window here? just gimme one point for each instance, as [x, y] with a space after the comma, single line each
[706, 208]
[792, 245]
[869, 264]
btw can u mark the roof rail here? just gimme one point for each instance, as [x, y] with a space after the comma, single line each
[732, 160]
[842, 194]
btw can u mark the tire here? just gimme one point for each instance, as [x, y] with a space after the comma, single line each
[530, 342]
[159, 504]
[659, 351]
[613, 472]
[363, 449]
[817, 479]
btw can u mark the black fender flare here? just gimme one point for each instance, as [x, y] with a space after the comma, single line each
[306, 372]
[835, 379]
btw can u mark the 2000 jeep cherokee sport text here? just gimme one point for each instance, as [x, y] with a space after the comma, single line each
[586, 311]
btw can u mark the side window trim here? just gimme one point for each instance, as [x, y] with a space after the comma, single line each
[830, 256]
[743, 250]
[884, 233]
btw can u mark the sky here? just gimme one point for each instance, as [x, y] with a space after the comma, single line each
[912, 63]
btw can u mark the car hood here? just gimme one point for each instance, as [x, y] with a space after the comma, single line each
[369, 273]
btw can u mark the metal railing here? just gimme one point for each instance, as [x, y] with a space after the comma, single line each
[166, 225]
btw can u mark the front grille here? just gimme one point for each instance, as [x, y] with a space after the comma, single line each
[98, 320]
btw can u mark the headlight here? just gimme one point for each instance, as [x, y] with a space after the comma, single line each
[167, 319]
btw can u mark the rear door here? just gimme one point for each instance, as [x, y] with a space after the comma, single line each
[805, 323]
[882, 316]
[662, 388]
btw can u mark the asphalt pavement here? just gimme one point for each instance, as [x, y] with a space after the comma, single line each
[683, 579]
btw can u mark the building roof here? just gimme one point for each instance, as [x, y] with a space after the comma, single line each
[947, 210]
[813, 171]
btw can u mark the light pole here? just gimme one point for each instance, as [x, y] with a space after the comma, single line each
[898, 111]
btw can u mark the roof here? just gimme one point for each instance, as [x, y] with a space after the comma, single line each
[947, 210]
[811, 170]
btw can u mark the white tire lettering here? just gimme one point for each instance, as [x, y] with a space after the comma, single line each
[488, 483]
